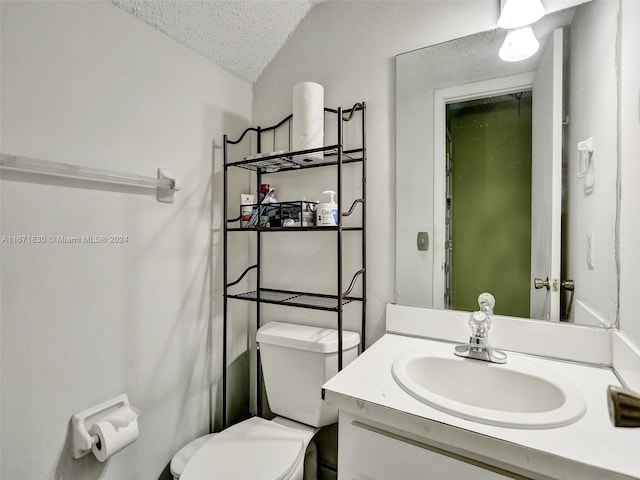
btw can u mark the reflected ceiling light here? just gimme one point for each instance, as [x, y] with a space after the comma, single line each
[520, 44]
[519, 13]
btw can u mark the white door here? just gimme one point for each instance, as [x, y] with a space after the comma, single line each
[546, 182]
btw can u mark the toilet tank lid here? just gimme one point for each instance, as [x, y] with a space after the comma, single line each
[303, 337]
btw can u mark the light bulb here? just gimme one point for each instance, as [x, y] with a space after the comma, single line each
[519, 44]
[520, 13]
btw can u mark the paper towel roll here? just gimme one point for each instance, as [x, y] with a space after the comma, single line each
[115, 432]
[308, 116]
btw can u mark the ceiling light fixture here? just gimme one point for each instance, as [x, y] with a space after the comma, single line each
[520, 13]
[520, 44]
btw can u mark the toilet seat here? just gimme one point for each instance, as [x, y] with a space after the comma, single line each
[256, 449]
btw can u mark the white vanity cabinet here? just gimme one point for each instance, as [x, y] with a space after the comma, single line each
[374, 453]
[386, 433]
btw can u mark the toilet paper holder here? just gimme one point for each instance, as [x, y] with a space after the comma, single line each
[81, 423]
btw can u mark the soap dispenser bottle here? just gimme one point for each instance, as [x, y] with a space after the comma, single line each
[327, 213]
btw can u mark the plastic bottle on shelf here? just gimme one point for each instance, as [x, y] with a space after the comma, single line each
[264, 189]
[327, 213]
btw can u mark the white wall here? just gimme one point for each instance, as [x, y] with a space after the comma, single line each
[350, 48]
[88, 84]
[629, 169]
[591, 201]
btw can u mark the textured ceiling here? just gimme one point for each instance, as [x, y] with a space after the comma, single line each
[241, 36]
[473, 58]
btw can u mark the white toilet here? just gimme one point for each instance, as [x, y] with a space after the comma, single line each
[296, 361]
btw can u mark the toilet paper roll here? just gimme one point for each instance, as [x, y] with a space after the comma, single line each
[115, 432]
[308, 116]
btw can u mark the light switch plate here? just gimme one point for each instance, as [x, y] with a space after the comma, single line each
[422, 241]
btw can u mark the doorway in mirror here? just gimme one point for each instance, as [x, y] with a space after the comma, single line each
[488, 202]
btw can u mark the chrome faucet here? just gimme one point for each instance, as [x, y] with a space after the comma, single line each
[478, 347]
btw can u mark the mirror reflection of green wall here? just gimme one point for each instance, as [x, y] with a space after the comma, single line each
[491, 202]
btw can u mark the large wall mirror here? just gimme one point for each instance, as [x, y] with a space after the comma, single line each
[507, 172]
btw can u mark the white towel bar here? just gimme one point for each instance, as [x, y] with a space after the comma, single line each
[165, 183]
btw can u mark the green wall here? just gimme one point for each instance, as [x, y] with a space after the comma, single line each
[492, 204]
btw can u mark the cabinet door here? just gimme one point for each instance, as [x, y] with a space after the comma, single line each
[368, 453]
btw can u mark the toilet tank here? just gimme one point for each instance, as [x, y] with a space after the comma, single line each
[296, 361]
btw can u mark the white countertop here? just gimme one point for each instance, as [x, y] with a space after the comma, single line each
[590, 448]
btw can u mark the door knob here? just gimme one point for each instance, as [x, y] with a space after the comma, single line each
[568, 285]
[538, 283]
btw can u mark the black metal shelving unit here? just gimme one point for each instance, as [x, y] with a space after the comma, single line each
[330, 156]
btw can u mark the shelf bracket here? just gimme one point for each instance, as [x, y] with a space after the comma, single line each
[347, 117]
[353, 282]
[246, 270]
[353, 206]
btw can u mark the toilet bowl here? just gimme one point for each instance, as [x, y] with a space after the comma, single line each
[256, 449]
[180, 459]
[296, 361]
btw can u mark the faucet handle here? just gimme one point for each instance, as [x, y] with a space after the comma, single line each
[486, 302]
[479, 323]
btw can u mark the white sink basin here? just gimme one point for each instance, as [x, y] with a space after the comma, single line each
[519, 394]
